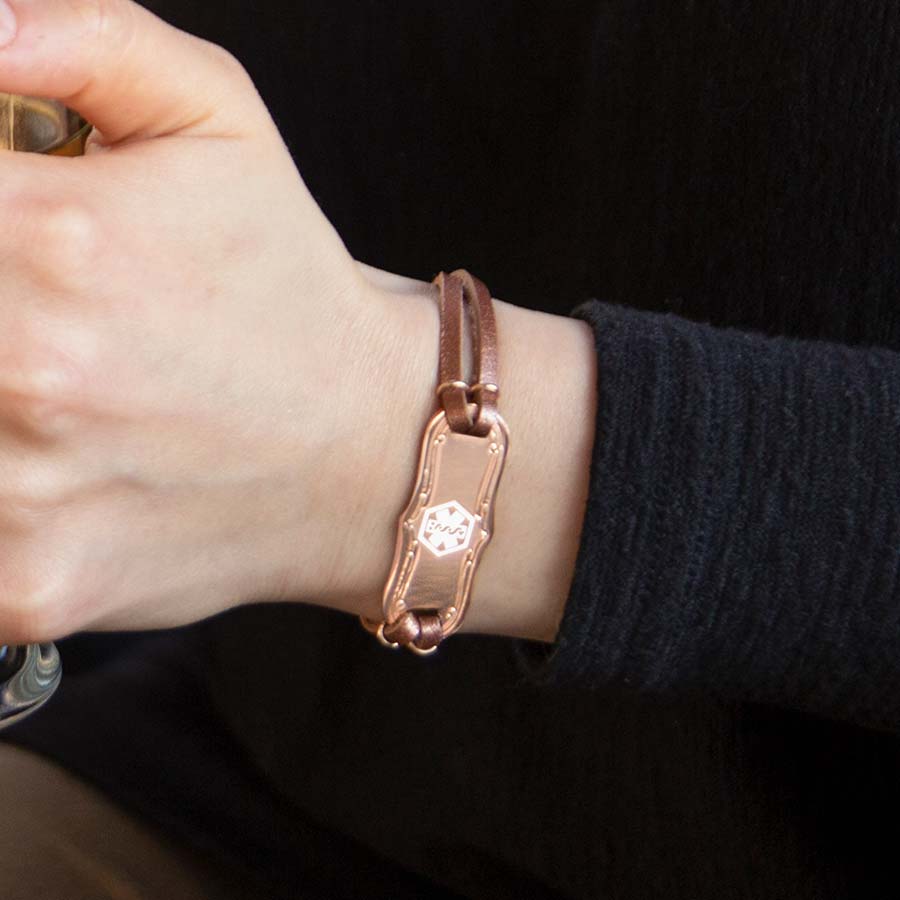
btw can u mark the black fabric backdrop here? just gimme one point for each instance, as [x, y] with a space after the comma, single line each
[710, 158]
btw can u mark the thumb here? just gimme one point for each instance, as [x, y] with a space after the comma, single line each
[124, 69]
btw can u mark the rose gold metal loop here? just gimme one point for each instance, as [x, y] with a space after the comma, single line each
[490, 388]
[383, 640]
[448, 385]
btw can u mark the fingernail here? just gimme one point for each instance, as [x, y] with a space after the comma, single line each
[7, 24]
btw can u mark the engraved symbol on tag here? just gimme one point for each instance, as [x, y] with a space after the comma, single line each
[446, 528]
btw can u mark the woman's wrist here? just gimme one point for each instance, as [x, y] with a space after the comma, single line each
[548, 398]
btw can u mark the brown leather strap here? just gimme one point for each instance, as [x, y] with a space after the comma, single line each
[454, 391]
[422, 630]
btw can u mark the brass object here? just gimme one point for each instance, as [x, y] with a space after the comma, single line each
[35, 125]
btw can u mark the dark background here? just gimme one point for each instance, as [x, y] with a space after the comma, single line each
[722, 159]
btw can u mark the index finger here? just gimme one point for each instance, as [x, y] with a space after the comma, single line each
[124, 69]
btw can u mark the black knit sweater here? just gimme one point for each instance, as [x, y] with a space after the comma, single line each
[719, 717]
[743, 529]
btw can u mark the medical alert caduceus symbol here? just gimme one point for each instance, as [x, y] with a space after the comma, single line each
[446, 528]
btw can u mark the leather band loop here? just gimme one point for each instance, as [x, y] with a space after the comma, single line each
[459, 290]
[405, 630]
[431, 633]
[454, 390]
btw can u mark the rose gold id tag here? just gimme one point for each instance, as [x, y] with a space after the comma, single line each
[447, 524]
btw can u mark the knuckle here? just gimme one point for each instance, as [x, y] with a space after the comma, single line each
[65, 242]
[225, 60]
[30, 488]
[35, 617]
[106, 31]
[104, 20]
[40, 387]
[35, 605]
[44, 419]
[235, 79]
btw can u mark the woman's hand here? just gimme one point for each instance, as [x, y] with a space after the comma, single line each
[189, 357]
[204, 401]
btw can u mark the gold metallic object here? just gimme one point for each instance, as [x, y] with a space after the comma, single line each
[36, 125]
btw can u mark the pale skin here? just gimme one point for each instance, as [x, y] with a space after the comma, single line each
[204, 400]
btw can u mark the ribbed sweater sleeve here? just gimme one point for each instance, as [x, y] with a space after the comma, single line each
[742, 531]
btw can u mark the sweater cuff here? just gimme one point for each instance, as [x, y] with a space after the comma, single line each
[633, 350]
[636, 613]
[743, 519]
[699, 566]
